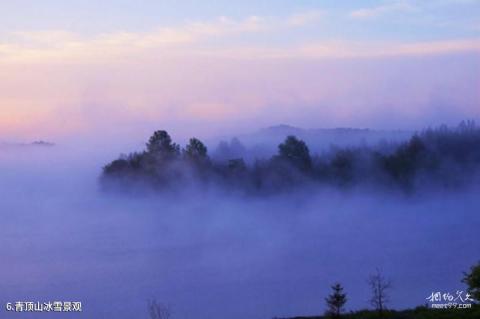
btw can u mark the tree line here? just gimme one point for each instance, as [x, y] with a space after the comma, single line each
[443, 156]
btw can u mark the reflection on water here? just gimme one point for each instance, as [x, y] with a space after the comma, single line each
[217, 256]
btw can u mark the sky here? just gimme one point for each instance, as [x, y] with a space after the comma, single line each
[123, 68]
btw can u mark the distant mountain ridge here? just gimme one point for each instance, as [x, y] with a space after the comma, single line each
[321, 138]
[285, 128]
[264, 142]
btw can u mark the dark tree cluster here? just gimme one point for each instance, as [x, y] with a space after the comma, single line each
[436, 157]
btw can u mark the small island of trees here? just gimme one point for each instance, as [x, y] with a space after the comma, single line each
[440, 157]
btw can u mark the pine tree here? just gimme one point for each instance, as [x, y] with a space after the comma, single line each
[336, 301]
[296, 152]
[195, 150]
[161, 147]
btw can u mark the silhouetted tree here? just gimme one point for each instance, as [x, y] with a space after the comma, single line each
[160, 145]
[342, 166]
[195, 150]
[472, 279]
[232, 150]
[115, 167]
[295, 152]
[406, 161]
[379, 286]
[336, 301]
[237, 165]
[467, 126]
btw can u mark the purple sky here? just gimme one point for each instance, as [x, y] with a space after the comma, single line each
[382, 64]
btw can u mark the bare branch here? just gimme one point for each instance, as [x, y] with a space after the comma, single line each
[380, 287]
[158, 310]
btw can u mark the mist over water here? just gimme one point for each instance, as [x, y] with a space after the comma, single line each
[214, 255]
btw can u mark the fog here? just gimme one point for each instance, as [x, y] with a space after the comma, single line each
[264, 143]
[208, 254]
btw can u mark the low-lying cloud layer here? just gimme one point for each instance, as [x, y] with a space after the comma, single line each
[214, 256]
